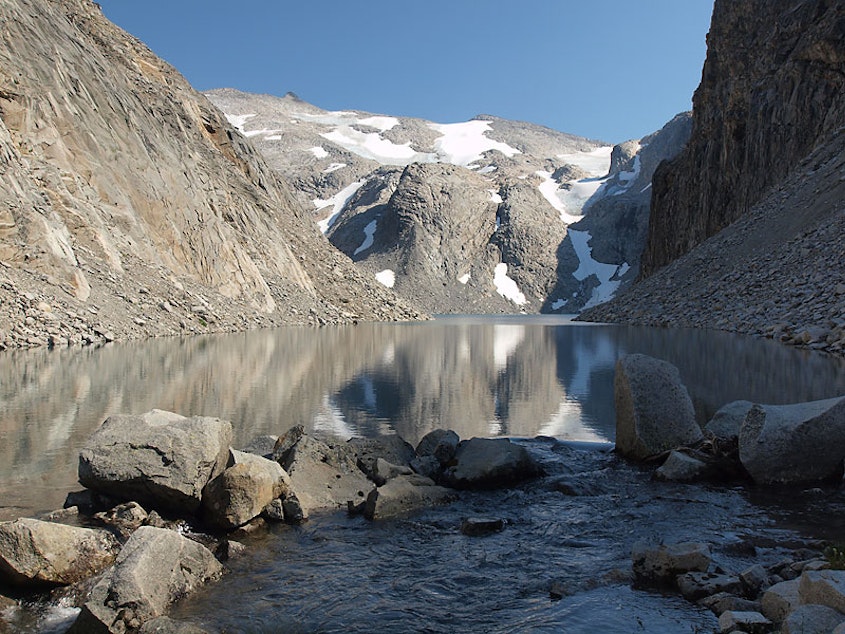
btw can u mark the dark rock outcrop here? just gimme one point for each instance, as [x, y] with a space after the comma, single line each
[772, 90]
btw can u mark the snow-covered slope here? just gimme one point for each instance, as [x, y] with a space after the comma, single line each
[486, 231]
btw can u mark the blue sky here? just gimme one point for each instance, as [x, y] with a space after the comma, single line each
[604, 69]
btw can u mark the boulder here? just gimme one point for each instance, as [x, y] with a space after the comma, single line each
[654, 412]
[439, 443]
[243, 490]
[158, 459]
[812, 619]
[794, 444]
[752, 622]
[403, 494]
[261, 446]
[754, 579]
[780, 600]
[322, 476]
[155, 568]
[727, 422]
[384, 471]
[35, 553]
[392, 449]
[486, 463]
[679, 467]
[123, 518]
[825, 587]
[697, 585]
[663, 563]
[427, 466]
[723, 602]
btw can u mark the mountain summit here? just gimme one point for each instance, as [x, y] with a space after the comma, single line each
[486, 215]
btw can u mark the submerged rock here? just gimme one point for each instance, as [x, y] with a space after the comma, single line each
[654, 412]
[486, 463]
[155, 568]
[478, 526]
[794, 444]
[35, 553]
[166, 625]
[159, 459]
[679, 467]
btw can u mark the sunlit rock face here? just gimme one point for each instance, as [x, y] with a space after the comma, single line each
[465, 217]
[118, 176]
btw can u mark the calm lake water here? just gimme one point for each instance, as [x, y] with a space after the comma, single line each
[516, 376]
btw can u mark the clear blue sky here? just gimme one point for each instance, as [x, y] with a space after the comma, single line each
[604, 69]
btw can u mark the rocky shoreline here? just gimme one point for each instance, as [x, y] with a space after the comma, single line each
[168, 498]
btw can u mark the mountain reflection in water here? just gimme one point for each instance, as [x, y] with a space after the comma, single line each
[481, 376]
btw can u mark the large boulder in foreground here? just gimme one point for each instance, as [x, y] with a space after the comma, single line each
[159, 459]
[403, 494]
[488, 463]
[241, 492]
[36, 553]
[794, 444]
[323, 476]
[654, 412]
[156, 567]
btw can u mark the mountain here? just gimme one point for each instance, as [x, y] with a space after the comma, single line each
[756, 201]
[130, 207]
[487, 215]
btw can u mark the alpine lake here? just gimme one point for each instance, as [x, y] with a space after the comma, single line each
[546, 382]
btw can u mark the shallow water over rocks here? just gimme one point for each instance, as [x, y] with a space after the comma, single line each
[568, 534]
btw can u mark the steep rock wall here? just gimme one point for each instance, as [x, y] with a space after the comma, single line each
[772, 89]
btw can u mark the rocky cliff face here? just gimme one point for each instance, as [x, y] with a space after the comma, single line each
[466, 217]
[772, 90]
[129, 206]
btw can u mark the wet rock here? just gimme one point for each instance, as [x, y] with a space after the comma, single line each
[575, 486]
[440, 443]
[155, 567]
[752, 622]
[285, 442]
[243, 490]
[321, 477]
[791, 444]
[663, 563]
[697, 585]
[427, 466]
[36, 553]
[392, 449]
[274, 511]
[486, 463]
[88, 501]
[812, 619]
[166, 625]
[294, 513]
[825, 587]
[780, 600]
[479, 526]
[124, 518]
[727, 422]
[654, 412]
[159, 459]
[679, 467]
[403, 494]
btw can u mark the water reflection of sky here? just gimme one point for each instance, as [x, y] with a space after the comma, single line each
[481, 376]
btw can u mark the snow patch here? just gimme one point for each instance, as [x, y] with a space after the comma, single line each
[595, 162]
[645, 188]
[337, 202]
[371, 145]
[238, 120]
[334, 167]
[495, 197]
[386, 277]
[369, 233]
[273, 137]
[463, 279]
[507, 287]
[379, 123]
[635, 171]
[464, 143]
[588, 266]
[558, 304]
[319, 152]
